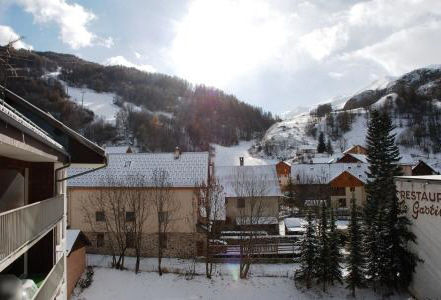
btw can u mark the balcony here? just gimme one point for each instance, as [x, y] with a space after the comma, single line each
[22, 227]
[52, 282]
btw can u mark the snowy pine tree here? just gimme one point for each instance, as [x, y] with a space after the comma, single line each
[389, 261]
[308, 255]
[335, 257]
[324, 257]
[355, 278]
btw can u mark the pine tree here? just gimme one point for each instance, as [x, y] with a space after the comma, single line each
[323, 259]
[389, 261]
[329, 148]
[355, 277]
[335, 257]
[321, 147]
[308, 255]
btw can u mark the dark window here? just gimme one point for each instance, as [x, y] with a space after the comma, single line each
[99, 240]
[352, 189]
[163, 217]
[342, 202]
[240, 203]
[163, 240]
[99, 216]
[130, 216]
[130, 240]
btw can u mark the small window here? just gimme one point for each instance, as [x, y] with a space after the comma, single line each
[100, 240]
[240, 203]
[163, 240]
[127, 164]
[352, 189]
[100, 216]
[130, 240]
[163, 217]
[342, 202]
[130, 216]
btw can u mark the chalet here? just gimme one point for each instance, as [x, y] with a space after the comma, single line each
[357, 149]
[135, 171]
[252, 195]
[352, 158]
[283, 169]
[422, 168]
[35, 152]
[335, 183]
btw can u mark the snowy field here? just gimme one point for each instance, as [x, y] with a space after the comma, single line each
[267, 281]
[229, 156]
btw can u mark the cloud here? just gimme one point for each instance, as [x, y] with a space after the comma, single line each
[7, 34]
[73, 20]
[122, 61]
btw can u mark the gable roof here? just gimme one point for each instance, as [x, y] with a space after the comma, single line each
[80, 149]
[230, 176]
[325, 173]
[360, 157]
[189, 169]
[72, 235]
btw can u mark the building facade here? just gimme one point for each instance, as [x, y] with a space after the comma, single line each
[35, 151]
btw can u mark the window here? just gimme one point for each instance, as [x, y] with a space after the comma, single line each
[99, 216]
[163, 217]
[130, 216]
[127, 164]
[99, 240]
[342, 202]
[130, 240]
[338, 191]
[240, 203]
[352, 189]
[163, 240]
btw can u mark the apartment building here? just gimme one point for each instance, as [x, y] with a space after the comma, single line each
[35, 151]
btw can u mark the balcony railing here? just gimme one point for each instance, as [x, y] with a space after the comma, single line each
[51, 284]
[22, 227]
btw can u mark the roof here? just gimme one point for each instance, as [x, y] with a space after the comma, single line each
[59, 132]
[72, 236]
[116, 149]
[324, 173]
[424, 177]
[189, 169]
[235, 179]
[15, 118]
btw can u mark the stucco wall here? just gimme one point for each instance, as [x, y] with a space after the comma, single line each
[423, 201]
[76, 264]
[269, 207]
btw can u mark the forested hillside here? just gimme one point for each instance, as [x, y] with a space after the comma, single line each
[157, 111]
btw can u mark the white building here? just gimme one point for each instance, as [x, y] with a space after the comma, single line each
[422, 197]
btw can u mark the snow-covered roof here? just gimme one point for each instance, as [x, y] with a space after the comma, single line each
[237, 180]
[116, 149]
[256, 220]
[324, 173]
[423, 177]
[294, 222]
[71, 237]
[189, 169]
[360, 157]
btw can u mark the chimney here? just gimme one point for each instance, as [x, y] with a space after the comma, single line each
[241, 161]
[177, 152]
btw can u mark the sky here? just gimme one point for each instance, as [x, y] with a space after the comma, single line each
[278, 54]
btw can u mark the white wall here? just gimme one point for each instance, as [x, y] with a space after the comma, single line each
[423, 201]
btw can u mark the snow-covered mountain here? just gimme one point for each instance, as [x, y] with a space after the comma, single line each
[413, 101]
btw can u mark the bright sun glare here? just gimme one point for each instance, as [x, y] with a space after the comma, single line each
[220, 40]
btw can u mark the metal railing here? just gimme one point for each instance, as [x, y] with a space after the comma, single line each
[51, 284]
[23, 226]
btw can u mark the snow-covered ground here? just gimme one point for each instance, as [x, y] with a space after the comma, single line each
[113, 284]
[229, 156]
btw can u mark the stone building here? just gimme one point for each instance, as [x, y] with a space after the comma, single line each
[134, 172]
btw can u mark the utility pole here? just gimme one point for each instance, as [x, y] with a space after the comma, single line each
[82, 98]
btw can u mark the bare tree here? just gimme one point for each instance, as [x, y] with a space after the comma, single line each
[105, 212]
[138, 214]
[211, 210]
[7, 70]
[251, 189]
[164, 206]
